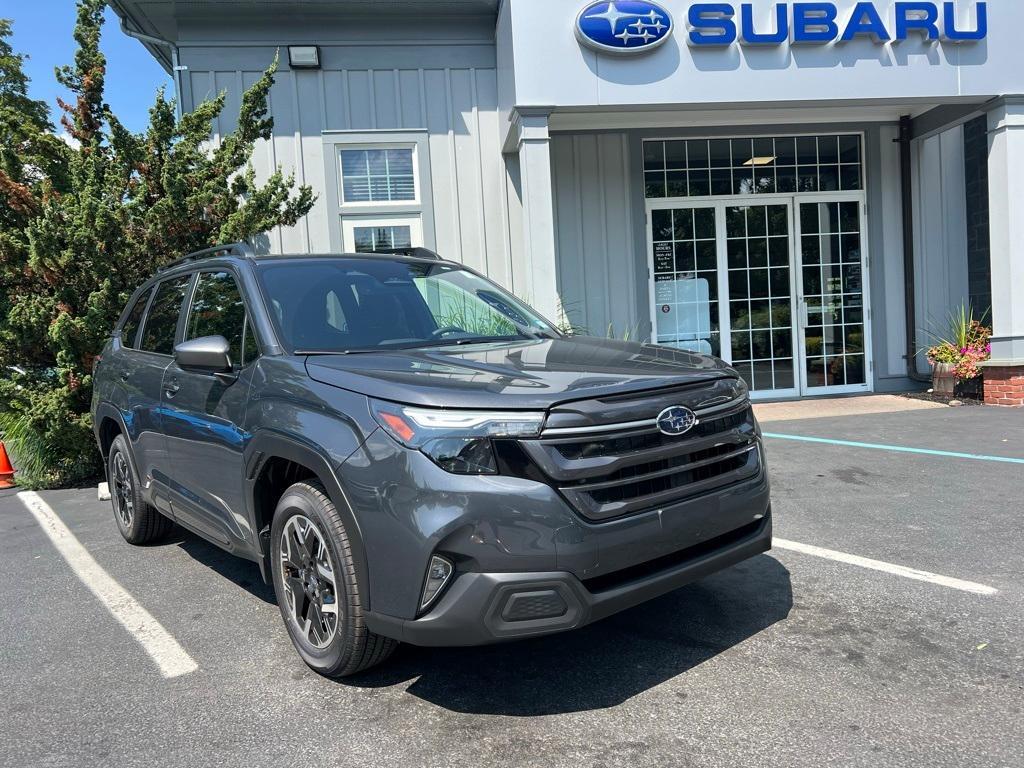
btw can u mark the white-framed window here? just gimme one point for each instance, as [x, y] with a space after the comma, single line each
[365, 234]
[378, 175]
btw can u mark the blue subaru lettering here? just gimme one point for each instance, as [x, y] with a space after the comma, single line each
[980, 31]
[712, 24]
[865, 20]
[917, 17]
[822, 23]
[623, 26]
[814, 22]
[751, 36]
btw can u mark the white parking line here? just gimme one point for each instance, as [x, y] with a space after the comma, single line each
[156, 641]
[879, 565]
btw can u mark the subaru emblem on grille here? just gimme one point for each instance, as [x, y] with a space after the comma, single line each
[676, 420]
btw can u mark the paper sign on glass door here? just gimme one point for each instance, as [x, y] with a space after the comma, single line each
[683, 312]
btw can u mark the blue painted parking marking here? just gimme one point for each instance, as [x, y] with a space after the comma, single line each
[894, 448]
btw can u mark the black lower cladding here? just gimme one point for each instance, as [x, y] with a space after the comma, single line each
[642, 571]
[626, 473]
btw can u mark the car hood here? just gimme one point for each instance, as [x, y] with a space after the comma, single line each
[529, 374]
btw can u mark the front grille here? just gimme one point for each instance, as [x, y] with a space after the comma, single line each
[619, 487]
[639, 468]
[618, 446]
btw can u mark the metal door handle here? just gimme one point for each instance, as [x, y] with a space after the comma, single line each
[125, 377]
[172, 387]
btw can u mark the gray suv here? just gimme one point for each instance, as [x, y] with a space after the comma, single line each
[411, 454]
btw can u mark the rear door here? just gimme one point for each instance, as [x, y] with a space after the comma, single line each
[142, 375]
[204, 414]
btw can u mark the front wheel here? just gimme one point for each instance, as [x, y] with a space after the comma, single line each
[317, 590]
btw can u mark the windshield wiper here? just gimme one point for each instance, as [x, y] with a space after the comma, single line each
[475, 340]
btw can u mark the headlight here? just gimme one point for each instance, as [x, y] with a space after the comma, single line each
[457, 441]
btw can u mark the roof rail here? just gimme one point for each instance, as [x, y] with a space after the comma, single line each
[414, 252]
[235, 249]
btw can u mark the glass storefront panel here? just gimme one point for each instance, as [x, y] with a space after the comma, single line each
[760, 297]
[752, 166]
[833, 290]
[686, 279]
[774, 286]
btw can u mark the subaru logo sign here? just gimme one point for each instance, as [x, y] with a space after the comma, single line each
[623, 26]
[676, 420]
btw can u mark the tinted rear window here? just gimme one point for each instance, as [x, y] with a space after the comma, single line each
[162, 320]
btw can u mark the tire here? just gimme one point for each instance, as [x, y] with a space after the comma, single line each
[310, 555]
[138, 522]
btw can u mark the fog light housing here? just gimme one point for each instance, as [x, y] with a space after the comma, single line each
[439, 572]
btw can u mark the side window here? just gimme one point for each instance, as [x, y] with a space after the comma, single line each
[218, 310]
[130, 329]
[162, 321]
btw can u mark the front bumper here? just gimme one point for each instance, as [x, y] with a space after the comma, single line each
[483, 608]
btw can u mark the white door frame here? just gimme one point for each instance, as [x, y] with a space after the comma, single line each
[662, 204]
[801, 304]
[797, 302]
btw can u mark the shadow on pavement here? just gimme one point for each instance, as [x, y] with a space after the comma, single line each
[242, 572]
[601, 665]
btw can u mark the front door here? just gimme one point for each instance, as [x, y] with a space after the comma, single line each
[758, 252]
[833, 325]
[773, 285]
[204, 415]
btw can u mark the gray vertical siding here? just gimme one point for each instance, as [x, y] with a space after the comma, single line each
[379, 89]
[940, 220]
[598, 266]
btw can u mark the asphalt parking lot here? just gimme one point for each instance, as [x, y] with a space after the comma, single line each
[790, 659]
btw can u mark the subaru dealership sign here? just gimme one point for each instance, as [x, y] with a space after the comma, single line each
[634, 26]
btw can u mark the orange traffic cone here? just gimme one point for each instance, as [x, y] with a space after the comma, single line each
[6, 470]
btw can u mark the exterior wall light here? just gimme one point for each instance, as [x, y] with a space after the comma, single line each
[304, 56]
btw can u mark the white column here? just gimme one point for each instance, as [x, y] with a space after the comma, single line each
[1006, 228]
[539, 283]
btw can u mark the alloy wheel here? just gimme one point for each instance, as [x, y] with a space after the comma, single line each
[307, 573]
[124, 503]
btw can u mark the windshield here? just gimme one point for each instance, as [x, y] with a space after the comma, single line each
[359, 305]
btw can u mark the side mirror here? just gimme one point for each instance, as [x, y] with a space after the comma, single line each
[209, 353]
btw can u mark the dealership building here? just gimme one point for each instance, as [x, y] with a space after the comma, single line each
[805, 189]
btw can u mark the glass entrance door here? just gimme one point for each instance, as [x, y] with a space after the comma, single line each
[758, 246]
[685, 276]
[777, 289]
[833, 337]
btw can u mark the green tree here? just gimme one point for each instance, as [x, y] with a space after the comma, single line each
[85, 221]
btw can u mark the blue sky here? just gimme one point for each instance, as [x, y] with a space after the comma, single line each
[42, 29]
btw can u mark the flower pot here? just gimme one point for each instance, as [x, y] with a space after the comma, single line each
[943, 378]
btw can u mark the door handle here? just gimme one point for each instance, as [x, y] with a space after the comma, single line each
[804, 313]
[125, 377]
[172, 387]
